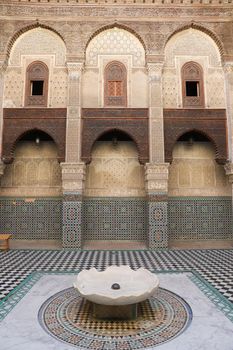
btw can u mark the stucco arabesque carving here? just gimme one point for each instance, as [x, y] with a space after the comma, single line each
[229, 171]
[73, 176]
[2, 167]
[156, 177]
[154, 72]
[228, 70]
[74, 70]
[228, 67]
[3, 65]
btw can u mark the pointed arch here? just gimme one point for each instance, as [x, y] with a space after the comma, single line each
[207, 31]
[25, 29]
[119, 26]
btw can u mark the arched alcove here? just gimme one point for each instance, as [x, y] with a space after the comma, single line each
[35, 170]
[194, 170]
[115, 205]
[193, 45]
[122, 45]
[29, 45]
[115, 169]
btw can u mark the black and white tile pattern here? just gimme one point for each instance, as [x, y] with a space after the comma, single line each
[215, 266]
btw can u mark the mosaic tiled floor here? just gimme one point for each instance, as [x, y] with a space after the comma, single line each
[215, 266]
[52, 294]
[69, 318]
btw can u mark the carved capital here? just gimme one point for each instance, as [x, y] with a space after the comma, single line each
[156, 177]
[154, 72]
[73, 177]
[74, 70]
[229, 171]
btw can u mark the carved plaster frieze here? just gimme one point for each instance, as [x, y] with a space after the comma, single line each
[154, 72]
[229, 171]
[228, 67]
[74, 70]
[156, 177]
[73, 177]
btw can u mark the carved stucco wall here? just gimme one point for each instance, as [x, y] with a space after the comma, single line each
[37, 44]
[120, 45]
[115, 171]
[34, 172]
[193, 45]
[194, 172]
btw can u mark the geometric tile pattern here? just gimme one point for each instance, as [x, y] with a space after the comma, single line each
[200, 218]
[72, 224]
[214, 266]
[31, 219]
[115, 218]
[158, 236]
[68, 317]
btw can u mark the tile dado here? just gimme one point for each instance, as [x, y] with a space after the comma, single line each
[200, 218]
[115, 218]
[31, 218]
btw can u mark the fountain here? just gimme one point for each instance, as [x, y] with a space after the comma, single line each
[116, 292]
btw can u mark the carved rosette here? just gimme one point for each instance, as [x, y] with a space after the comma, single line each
[73, 177]
[229, 171]
[156, 178]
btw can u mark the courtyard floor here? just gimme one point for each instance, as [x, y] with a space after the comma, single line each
[195, 300]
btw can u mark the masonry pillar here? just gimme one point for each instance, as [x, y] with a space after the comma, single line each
[228, 70]
[156, 187]
[73, 178]
[73, 170]
[2, 71]
[156, 172]
[229, 172]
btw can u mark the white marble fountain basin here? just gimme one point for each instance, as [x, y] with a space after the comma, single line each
[135, 285]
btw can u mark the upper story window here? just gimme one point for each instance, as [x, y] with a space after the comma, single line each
[36, 93]
[192, 85]
[115, 85]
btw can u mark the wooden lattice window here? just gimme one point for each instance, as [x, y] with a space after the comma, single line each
[36, 93]
[115, 86]
[192, 85]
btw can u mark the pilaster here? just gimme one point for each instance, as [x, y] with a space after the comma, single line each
[73, 127]
[155, 110]
[73, 179]
[228, 70]
[156, 180]
[2, 72]
[229, 172]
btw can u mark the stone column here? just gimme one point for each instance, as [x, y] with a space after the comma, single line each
[73, 179]
[228, 70]
[73, 170]
[157, 188]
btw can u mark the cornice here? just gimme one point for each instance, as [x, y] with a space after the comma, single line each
[147, 9]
